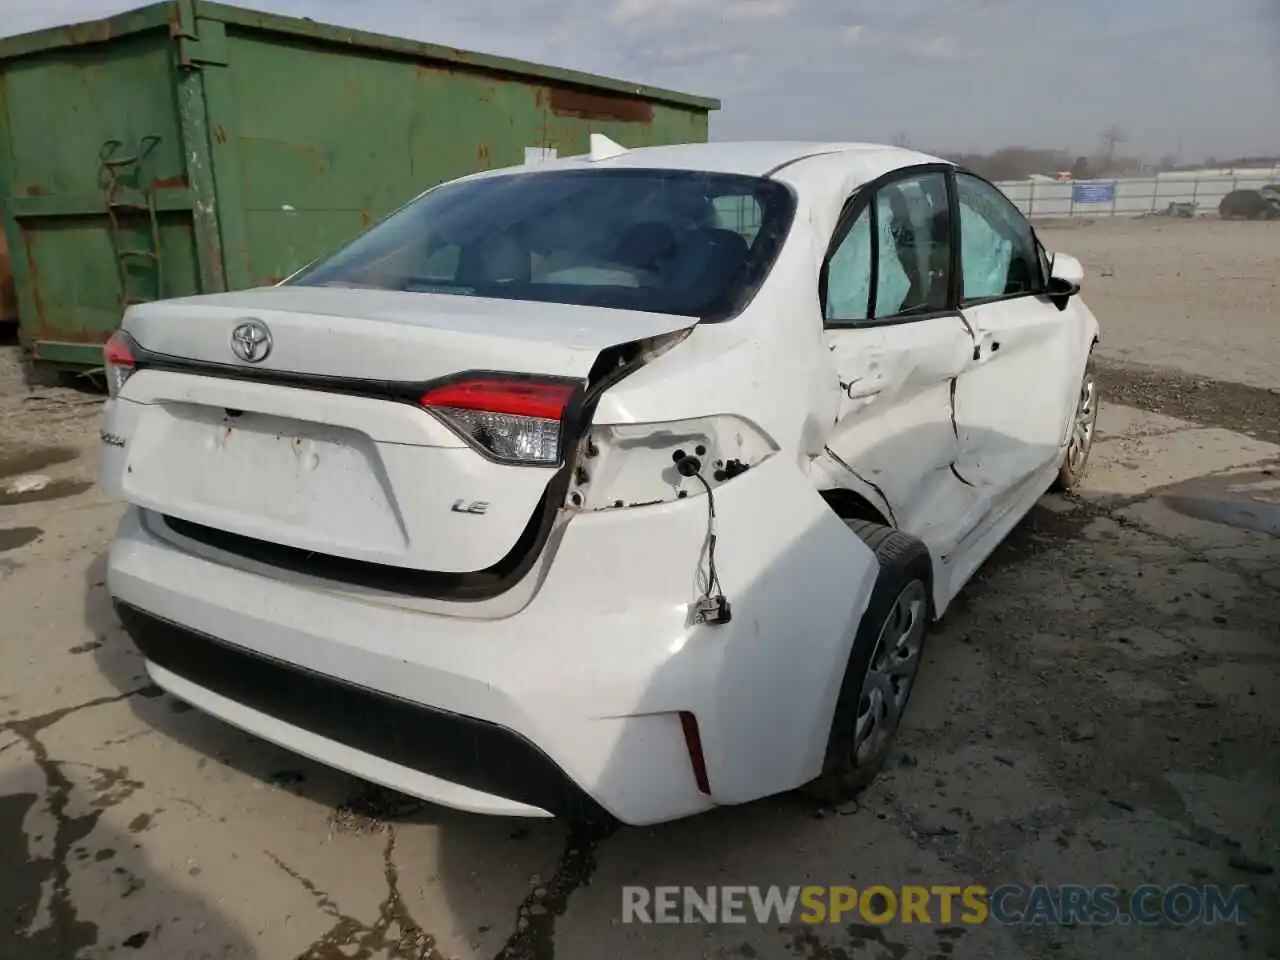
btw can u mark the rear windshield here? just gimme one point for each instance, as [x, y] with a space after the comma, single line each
[677, 242]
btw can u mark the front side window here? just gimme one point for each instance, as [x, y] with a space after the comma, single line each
[740, 214]
[663, 241]
[1042, 255]
[997, 245]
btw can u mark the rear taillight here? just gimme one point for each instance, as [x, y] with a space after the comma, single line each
[515, 420]
[120, 360]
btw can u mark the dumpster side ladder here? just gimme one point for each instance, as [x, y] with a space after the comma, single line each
[128, 196]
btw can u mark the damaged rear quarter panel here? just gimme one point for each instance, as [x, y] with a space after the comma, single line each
[894, 425]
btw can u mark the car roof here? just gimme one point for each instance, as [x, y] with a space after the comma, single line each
[755, 158]
[752, 158]
[823, 173]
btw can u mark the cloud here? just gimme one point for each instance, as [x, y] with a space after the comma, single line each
[758, 9]
[952, 74]
[664, 11]
[630, 11]
[938, 48]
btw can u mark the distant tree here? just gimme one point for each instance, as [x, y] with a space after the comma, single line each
[901, 139]
[1019, 163]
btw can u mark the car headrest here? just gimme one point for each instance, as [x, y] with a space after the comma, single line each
[644, 244]
[708, 257]
[505, 258]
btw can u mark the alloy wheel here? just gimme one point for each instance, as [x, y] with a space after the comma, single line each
[1085, 422]
[892, 672]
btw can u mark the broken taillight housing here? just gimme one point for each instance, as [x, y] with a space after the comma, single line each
[513, 420]
[641, 464]
[120, 360]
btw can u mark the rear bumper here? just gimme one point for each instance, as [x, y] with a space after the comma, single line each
[458, 751]
[580, 693]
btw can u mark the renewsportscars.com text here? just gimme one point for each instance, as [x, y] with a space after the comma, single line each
[1008, 904]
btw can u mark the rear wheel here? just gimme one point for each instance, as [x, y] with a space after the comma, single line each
[882, 667]
[1083, 428]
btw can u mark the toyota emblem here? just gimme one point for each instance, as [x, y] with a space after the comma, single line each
[251, 341]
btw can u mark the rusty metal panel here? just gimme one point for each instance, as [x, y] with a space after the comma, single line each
[348, 136]
[8, 295]
[371, 45]
[97, 206]
[588, 105]
[170, 173]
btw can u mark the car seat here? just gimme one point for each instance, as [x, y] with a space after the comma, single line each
[501, 259]
[644, 245]
[707, 259]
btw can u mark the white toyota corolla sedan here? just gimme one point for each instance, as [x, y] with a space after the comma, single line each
[624, 485]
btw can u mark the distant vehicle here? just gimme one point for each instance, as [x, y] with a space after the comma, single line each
[626, 484]
[1261, 204]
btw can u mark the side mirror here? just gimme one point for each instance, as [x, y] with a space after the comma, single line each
[1066, 274]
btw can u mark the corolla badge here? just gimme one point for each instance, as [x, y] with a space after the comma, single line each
[251, 341]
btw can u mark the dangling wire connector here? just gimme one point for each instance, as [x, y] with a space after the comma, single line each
[712, 607]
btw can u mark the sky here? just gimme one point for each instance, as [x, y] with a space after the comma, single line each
[1179, 77]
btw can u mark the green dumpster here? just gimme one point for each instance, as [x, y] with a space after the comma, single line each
[191, 147]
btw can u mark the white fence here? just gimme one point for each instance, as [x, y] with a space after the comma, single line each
[1123, 198]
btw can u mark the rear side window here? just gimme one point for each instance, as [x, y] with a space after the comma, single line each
[915, 246]
[849, 274]
[677, 242]
[895, 260]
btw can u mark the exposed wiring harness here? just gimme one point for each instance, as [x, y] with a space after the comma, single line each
[712, 607]
[713, 575]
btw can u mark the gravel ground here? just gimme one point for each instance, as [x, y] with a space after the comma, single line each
[1197, 296]
[1102, 706]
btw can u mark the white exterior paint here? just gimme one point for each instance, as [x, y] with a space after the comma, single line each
[591, 655]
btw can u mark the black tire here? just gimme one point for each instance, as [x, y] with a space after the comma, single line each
[1074, 466]
[904, 567]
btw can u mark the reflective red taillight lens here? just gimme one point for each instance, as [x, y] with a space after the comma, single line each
[515, 420]
[119, 359]
[693, 743]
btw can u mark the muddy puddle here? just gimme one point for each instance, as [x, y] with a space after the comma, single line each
[1245, 499]
[11, 538]
[54, 490]
[15, 462]
[1253, 515]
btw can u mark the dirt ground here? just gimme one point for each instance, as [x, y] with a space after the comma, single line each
[1197, 296]
[1101, 707]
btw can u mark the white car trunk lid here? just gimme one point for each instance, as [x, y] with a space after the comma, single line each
[392, 336]
[319, 446]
